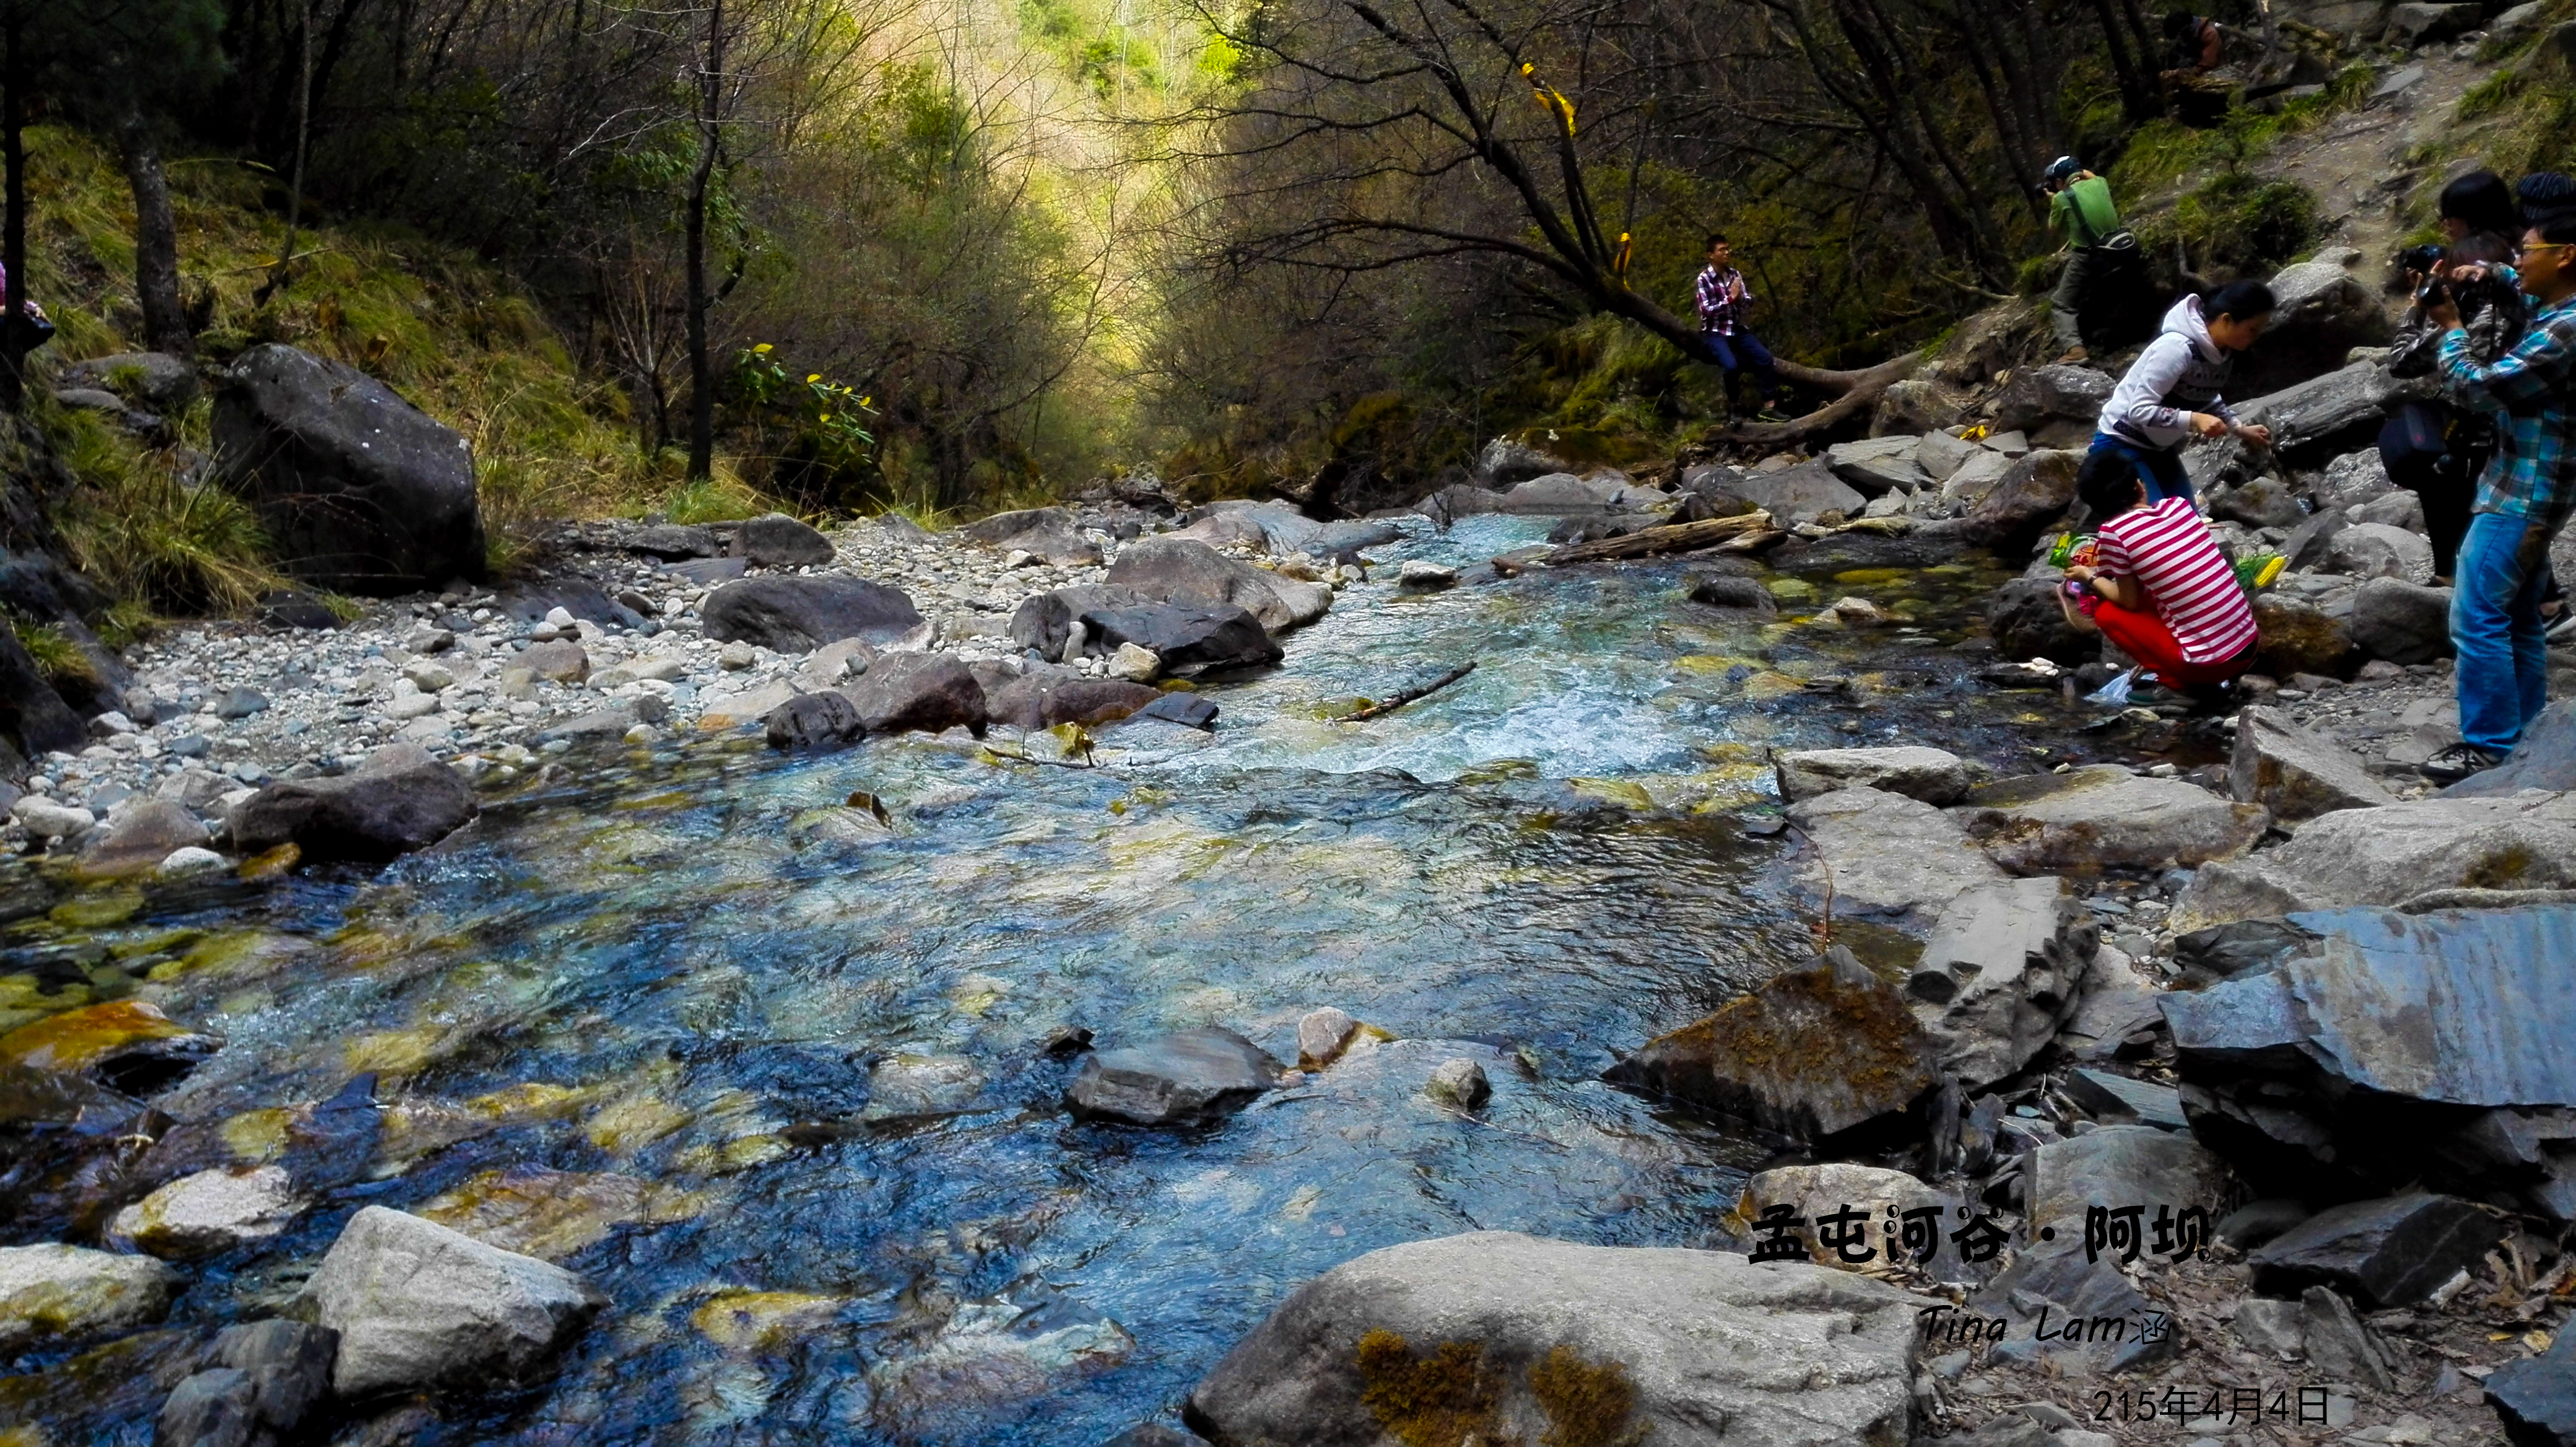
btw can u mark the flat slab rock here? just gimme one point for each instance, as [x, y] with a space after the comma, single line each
[1702, 1348]
[1888, 856]
[2104, 816]
[1192, 1077]
[53, 1294]
[418, 1305]
[2391, 1252]
[2294, 772]
[1935, 776]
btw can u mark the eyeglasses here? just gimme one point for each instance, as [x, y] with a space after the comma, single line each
[2528, 247]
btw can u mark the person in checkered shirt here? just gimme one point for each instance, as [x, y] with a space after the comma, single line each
[1723, 297]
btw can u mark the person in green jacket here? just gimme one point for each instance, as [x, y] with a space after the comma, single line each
[2100, 252]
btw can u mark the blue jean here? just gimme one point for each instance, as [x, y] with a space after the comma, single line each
[1741, 351]
[2503, 676]
[2158, 468]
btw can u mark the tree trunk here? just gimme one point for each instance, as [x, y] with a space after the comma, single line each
[156, 245]
[702, 376]
[13, 229]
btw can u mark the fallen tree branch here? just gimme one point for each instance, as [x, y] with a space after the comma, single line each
[1741, 533]
[1854, 394]
[1410, 694]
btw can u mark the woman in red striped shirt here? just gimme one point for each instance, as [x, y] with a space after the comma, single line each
[2159, 587]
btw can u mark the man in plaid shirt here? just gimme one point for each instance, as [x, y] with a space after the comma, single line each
[1730, 343]
[2523, 499]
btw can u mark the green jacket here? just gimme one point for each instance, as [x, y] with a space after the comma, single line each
[2083, 212]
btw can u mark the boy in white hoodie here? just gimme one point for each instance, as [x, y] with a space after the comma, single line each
[2171, 392]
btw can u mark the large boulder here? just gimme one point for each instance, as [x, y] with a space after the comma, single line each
[1560, 493]
[775, 540]
[1810, 1055]
[1503, 462]
[2545, 759]
[2003, 970]
[2037, 395]
[2034, 494]
[2025, 622]
[1887, 857]
[2103, 816]
[139, 834]
[1189, 638]
[814, 723]
[420, 1306]
[2297, 637]
[2295, 773]
[2393, 853]
[2324, 311]
[2536, 1396]
[1044, 532]
[1878, 465]
[800, 614]
[2401, 621]
[923, 692]
[2118, 1165]
[56, 1295]
[31, 713]
[1935, 776]
[2261, 501]
[1192, 1077]
[1799, 494]
[1503, 1337]
[2324, 407]
[1976, 477]
[399, 800]
[2381, 550]
[358, 490]
[1176, 570]
[1044, 621]
[2390, 1252]
[1042, 699]
[2385, 1050]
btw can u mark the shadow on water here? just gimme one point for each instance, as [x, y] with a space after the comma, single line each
[819, 1039]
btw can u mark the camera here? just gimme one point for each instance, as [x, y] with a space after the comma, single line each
[2426, 260]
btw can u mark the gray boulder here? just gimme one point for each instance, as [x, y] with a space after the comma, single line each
[139, 834]
[2039, 394]
[358, 490]
[1177, 570]
[1193, 1077]
[2401, 510]
[2391, 1252]
[1568, 1343]
[1977, 478]
[1915, 406]
[2311, 543]
[798, 615]
[2401, 621]
[2262, 501]
[1733, 590]
[2394, 853]
[1042, 699]
[1799, 494]
[2378, 550]
[1045, 532]
[2120, 1100]
[775, 540]
[2420, 22]
[401, 799]
[1885, 856]
[1503, 462]
[926, 692]
[2324, 311]
[814, 723]
[1044, 621]
[2118, 1165]
[2055, 1285]
[2025, 622]
[153, 381]
[2032, 495]
[420, 1306]
[55, 1295]
[2536, 1397]
[673, 542]
[2000, 974]
[2323, 406]
[2103, 816]
[2298, 637]
[1878, 465]
[1191, 639]
[2294, 773]
[2545, 759]
[1810, 1055]
[2352, 479]
[1559, 493]
[1935, 776]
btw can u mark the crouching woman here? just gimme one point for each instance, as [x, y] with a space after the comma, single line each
[2158, 586]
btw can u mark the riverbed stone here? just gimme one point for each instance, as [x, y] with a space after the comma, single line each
[1935, 776]
[1800, 494]
[401, 799]
[814, 723]
[131, 1045]
[1459, 1083]
[2395, 852]
[558, 662]
[1877, 465]
[2391, 1252]
[2001, 973]
[1191, 1077]
[552, 1214]
[54, 1295]
[800, 614]
[1886, 856]
[139, 834]
[2378, 550]
[1811, 1054]
[2544, 759]
[1322, 1036]
[1186, 639]
[775, 540]
[2119, 1165]
[209, 1213]
[2033, 494]
[2103, 816]
[2401, 621]
[1038, 700]
[2123, 1100]
[1177, 570]
[1616, 1343]
[918, 691]
[2536, 1397]
[2025, 622]
[418, 1305]
[1815, 1191]
[2295, 773]
[1559, 493]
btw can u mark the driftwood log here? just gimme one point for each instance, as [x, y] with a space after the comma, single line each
[1742, 533]
[1409, 695]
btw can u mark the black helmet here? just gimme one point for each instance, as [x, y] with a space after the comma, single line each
[2063, 170]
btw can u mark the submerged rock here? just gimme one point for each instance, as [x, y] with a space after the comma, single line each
[993, 1357]
[1513, 1338]
[1935, 776]
[553, 1214]
[56, 1295]
[266, 1379]
[127, 1044]
[1193, 1077]
[401, 799]
[814, 723]
[420, 1306]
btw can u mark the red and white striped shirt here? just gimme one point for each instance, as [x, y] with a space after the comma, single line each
[2168, 549]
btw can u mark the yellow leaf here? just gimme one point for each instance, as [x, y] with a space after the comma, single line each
[813, 376]
[762, 349]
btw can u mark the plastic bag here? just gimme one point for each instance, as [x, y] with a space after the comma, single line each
[2115, 693]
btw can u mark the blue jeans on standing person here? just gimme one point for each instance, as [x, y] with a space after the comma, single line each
[2503, 676]
[1740, 351]
[2159, 469]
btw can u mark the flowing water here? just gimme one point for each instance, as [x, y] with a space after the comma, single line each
[817, 1040]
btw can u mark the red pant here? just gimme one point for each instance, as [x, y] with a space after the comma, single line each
[2144, 637]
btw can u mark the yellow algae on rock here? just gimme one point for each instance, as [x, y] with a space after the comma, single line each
[235, 952]
[1621, 792]
[77, 1039]
[397, 1052]
[553, 1214]
[97, 911]
[1866, 577]
[257, 1136]
[739, 1320]
[639, 1117]
[1789, 589]
[1763, 686]
[270, 863]
[24, 998]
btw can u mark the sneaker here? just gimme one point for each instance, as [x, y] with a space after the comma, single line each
[2072, 356]
[1770, 414]
[2459, 761]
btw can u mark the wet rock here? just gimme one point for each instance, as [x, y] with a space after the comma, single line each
[775, 540]
[1187, 639]
[1176, 570]
[2121, 1100]
[401, 799]
[1878, 465]
[1322, 1036]
[1459, 1083]
[1042, 700]
[1186, 709]
[905, 1085]
[1887, 856]
[287, 1365]
[1193, 1077]
[2271, 1326]
[139, 834]
[1610, 1342]
[2032, 495]
[2300, 638]
[2040, 394]
[992, 1357]
[1814, 1192]
[814, 723]
[553, 1214]
[1729, 590]
[2296, 774]
[358, 490]
[1811, 1054]
[923, 691]
[2335, 1071]
[2103, 816]
[2400, 621]
[2545, 759]
[2002, 971]
[2391, 1252]
[1424, 576]
[2377, 550]
[2536, 1398]
[561, 662]
[800, 614]
[56, 1295]
[129, 1045]
[209, 1213]
[2118, 1165]
[214, 1408]
[2339, 1346]
[1800, 494]
[2026, 622]
[420, 1306]
[1935, 776]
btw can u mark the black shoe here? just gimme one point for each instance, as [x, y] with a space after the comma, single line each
[2458, 762]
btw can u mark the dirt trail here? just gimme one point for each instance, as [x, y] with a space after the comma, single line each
[2355, 165]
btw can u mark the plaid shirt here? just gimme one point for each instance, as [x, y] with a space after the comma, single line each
[1722, 295]
[2534, 472]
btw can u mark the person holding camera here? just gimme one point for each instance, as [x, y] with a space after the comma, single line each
[2436, 449]
[2170, 394]
[2523, 496]
[2101, 254]
[1723, 298]
[2158, 585]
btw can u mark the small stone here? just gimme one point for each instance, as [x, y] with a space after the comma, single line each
[109, 724]
[240, 703]
[1459, 1082]
[209, 1213]
[418, 1305]
[1856, 612]
[429, 677]
[2271, 1326]
[1135, 664]
[1322, 1036]
[1422, 575]
[193, 859]
[736, 657]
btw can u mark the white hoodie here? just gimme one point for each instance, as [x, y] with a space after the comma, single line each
[2179, 373]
